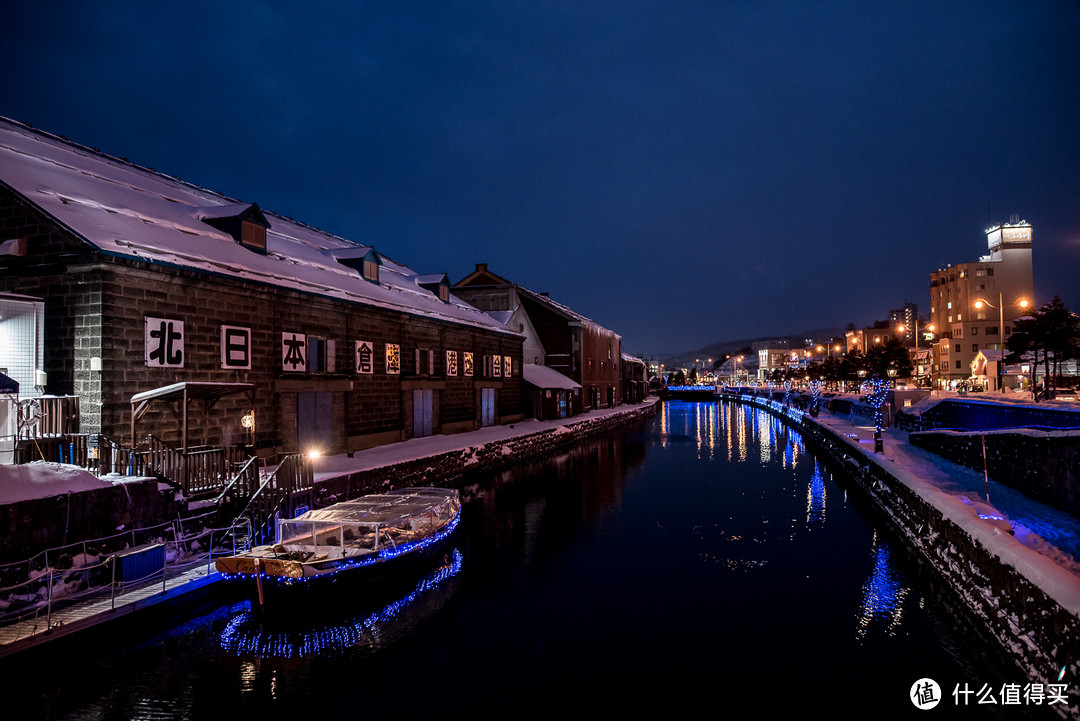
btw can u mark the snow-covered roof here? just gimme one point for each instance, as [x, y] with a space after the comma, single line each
[544, 378]
[502, 316]
[126, 210]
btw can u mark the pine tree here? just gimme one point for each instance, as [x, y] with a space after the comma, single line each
[1052, 331]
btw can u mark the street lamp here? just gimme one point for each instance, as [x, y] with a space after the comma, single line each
[979, 303]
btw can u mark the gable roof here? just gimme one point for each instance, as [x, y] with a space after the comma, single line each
[482, 277]
[122, 209]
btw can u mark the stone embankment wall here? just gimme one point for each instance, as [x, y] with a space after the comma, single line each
[449, 468]
[1034, 629]
[29, 527]
[979, 415]
[1042, 464]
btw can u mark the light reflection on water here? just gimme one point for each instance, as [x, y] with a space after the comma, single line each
[883, 594]
[683, 559]
[815, 497]
[245, 635]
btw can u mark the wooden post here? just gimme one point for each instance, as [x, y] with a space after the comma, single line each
[258, 581]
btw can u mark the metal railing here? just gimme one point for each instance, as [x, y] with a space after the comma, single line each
[288, 486]
[64, 580]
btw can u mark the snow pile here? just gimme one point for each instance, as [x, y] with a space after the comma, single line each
[42, 479]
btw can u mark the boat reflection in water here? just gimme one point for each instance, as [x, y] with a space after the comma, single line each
[322, 629]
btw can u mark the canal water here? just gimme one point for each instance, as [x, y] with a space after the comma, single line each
[703, 558]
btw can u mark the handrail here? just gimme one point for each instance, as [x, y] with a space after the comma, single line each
[54, 584]
[293, 474]
[242, 474]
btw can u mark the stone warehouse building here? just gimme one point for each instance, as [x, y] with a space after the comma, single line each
[556, 337]
[151, 283]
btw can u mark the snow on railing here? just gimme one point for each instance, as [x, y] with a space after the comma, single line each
[97, 575]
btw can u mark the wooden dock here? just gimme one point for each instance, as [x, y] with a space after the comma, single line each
[99, 607]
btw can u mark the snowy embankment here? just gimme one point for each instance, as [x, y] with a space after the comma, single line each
[42, 479]
[1034, 558]
[470, 443]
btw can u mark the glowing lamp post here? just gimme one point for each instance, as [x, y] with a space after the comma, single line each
[979, 303]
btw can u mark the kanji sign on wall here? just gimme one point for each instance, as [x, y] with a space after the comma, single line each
[365, 356]
[451, 362]
[293, 352]
[467, 364]
[164, 343]
[235, 347]
[393, 358]
[506, 366]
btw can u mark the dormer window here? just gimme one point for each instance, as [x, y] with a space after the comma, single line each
[361, 258]
[243, 221]
[438, 283]
[371, 269]
[253, 235]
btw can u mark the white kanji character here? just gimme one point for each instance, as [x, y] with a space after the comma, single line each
[1056, 693]
[957, 693]
[986, 695]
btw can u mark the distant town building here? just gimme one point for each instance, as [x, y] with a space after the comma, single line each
[863, 339]
[973, 305]
[902, 322]
[773, 356]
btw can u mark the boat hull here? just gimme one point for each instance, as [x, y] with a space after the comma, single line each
[279, 580]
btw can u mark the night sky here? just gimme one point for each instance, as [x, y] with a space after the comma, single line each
[680, 172]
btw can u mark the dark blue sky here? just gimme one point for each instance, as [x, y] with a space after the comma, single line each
[681, 172]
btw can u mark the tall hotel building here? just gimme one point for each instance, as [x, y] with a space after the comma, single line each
[972, 305]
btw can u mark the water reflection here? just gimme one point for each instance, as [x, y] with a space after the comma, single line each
[663, 561]
[245, 635]
[815, 497]
[883, 594]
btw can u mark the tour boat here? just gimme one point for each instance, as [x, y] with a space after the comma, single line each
[369, 537]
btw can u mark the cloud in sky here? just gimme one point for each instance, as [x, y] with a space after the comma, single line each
[679, 172]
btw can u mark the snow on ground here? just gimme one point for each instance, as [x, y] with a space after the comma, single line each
[1046, 544]
[41, 479]
[428, 446]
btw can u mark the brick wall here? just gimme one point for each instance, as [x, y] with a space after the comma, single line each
[95, 307]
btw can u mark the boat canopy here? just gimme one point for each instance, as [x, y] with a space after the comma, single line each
[372, 521]
[385, 509]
